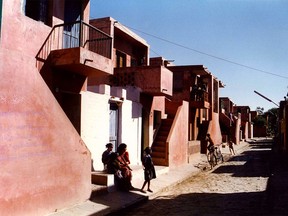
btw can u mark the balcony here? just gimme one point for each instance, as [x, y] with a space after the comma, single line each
[153, 80]
[200, 100]
[77, 47]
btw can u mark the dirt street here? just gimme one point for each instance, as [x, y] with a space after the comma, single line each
[236, 187]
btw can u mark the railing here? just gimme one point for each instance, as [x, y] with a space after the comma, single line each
[76, 34]
[199, 96]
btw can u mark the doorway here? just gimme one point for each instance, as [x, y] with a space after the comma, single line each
[73, 13]
[114, 124]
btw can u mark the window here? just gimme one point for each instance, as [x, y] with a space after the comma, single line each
[215, 96]
[121, 59]
[38, 10]
[178, 82]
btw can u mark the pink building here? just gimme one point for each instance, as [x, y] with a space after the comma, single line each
[44, 161]
[230, 122]
[196, 85]
[169, 115]
[246, 121]
[70, 87]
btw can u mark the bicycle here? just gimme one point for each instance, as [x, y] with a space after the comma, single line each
[214, 155]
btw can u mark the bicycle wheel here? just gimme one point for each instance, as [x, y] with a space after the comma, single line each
[220, 156]
[212, 160]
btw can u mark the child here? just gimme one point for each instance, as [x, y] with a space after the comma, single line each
[149, 170]
[231, 148]
[106, 154]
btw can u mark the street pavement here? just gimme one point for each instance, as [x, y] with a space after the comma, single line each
[116, 201]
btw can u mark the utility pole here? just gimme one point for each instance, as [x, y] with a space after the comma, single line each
[266, 98]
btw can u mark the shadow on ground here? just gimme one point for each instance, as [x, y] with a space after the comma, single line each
[258, 161]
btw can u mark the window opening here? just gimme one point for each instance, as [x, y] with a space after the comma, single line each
[215, 96]
[113, 122]
[178, 82]
[38, 10]
[71, 34]
[121, 59]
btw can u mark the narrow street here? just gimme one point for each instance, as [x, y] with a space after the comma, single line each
[236, 187]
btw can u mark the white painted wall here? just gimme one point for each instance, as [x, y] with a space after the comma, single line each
[131, 130]
[95, 121]
[95, 124]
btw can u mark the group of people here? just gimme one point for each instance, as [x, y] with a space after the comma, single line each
[211, 146]
[118, 163]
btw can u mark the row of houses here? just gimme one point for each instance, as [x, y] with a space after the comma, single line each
[69, 85]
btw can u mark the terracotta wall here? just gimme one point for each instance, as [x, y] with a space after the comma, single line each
[178, 137]
[214, 129]
[43, 159]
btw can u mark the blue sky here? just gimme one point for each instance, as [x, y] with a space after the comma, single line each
[244, 43]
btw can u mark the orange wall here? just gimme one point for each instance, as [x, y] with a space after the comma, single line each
[43, 159]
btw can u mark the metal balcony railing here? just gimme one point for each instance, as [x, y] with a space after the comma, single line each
[76, 34]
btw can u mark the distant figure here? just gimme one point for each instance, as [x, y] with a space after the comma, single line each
[201, 91]
[211, 145]
[231, 148]
[124, 167]
[194, 92]
[106, 154]
[149, 169]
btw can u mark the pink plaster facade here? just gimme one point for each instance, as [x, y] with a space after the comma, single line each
[43, 101]
[230, 122]
[203, 112]
[43, 159]
[246, 121]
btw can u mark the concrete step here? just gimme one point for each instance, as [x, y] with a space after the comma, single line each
[98, 190]
[104, 183]
[158, 149]
[161, 138]
[102, 178]
[167, 121]
[163, 133]
[159, 143]
[160, 161]
[159, 154]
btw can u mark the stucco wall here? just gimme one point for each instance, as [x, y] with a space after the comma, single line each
[131, 129]
[45, 165]
[95, 124]
[214, 129]
[95, 121]
[178, 137]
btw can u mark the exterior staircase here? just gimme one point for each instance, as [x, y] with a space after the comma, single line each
[160, 145]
